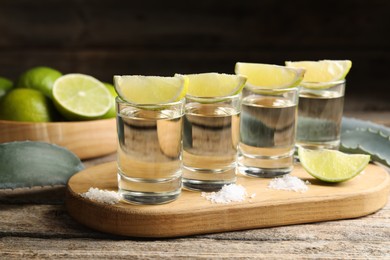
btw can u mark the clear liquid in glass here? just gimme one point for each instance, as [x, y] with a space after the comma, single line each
[149, 155]
[210, 146]
[319, 120]
[267, 136]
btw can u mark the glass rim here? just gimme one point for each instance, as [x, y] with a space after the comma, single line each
[121, 100]
[260, 90]
[214, 98]
[328, 84]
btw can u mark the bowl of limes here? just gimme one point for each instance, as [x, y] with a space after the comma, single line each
[75, 110]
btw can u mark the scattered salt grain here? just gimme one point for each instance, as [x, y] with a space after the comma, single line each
[103, 196]
[228, 193]
[290, 183]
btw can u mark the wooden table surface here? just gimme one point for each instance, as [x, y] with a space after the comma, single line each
[45, 230]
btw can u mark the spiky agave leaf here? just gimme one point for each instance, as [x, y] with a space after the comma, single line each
[351, 124]
[30, 164]
[367, 141]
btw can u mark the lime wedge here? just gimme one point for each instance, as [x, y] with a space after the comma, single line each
[332, 165]
[324, 71]
[150, 89]
[268, 76]
[214, 84]
[81, 97]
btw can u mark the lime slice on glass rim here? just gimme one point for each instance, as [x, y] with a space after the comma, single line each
[150, 90]
[214, 85]
[332, 165]
[268, 76]
[81, 97]
[322, 74]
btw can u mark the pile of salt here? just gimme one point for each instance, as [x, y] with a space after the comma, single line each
[290, 183]
[228, 193]
[103, 196]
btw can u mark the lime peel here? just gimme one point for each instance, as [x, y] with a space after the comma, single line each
[40, 78]
[139, 89]
[26, 105]
[269, 76]
[214, 85]
[322, 74]
[332, 165]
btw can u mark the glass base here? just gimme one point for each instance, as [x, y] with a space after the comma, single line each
[207, 186]
[208, 179]
[148, 198]
[263, 172]
[149, 191]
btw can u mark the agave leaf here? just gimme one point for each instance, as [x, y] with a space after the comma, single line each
[350, 124]
[29, 164]
[367, 141]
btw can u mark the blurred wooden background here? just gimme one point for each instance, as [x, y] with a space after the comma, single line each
[154, 37]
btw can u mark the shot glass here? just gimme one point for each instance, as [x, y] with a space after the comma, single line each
[319, 115]
[149, 151]
[210, 140]
[267, 132]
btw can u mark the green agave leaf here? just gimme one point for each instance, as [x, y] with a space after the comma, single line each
[29, 164]
[350, 124]
[367, 141]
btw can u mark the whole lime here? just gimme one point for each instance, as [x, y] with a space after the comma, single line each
[39, 78]
[112, 112]
[5, 86]
[28, 105]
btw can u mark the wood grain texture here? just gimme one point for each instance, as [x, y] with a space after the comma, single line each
[47, 231]
[87, 139]
[191, 214]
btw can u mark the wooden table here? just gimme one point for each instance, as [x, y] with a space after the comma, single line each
[46, 230]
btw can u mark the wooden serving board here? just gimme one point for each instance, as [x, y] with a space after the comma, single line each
[192, 214]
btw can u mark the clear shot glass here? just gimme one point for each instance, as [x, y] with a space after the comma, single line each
[149, 151]
[267, 132]
[320, 111]
[210, 140]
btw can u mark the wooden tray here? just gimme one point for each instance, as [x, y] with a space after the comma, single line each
[87, 139]
[192, 214]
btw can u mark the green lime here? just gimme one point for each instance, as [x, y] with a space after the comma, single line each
[28, 105]
[214, 84]
[39, 78]
[269, 76]
[112, 112]
[332, 165]
[5, 86]
[151, 89]
[81, 97]
[321, 74]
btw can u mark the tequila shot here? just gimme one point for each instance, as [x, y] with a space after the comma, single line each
[149, 151]
[210, 140]
[319, 116]
[267, 131]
